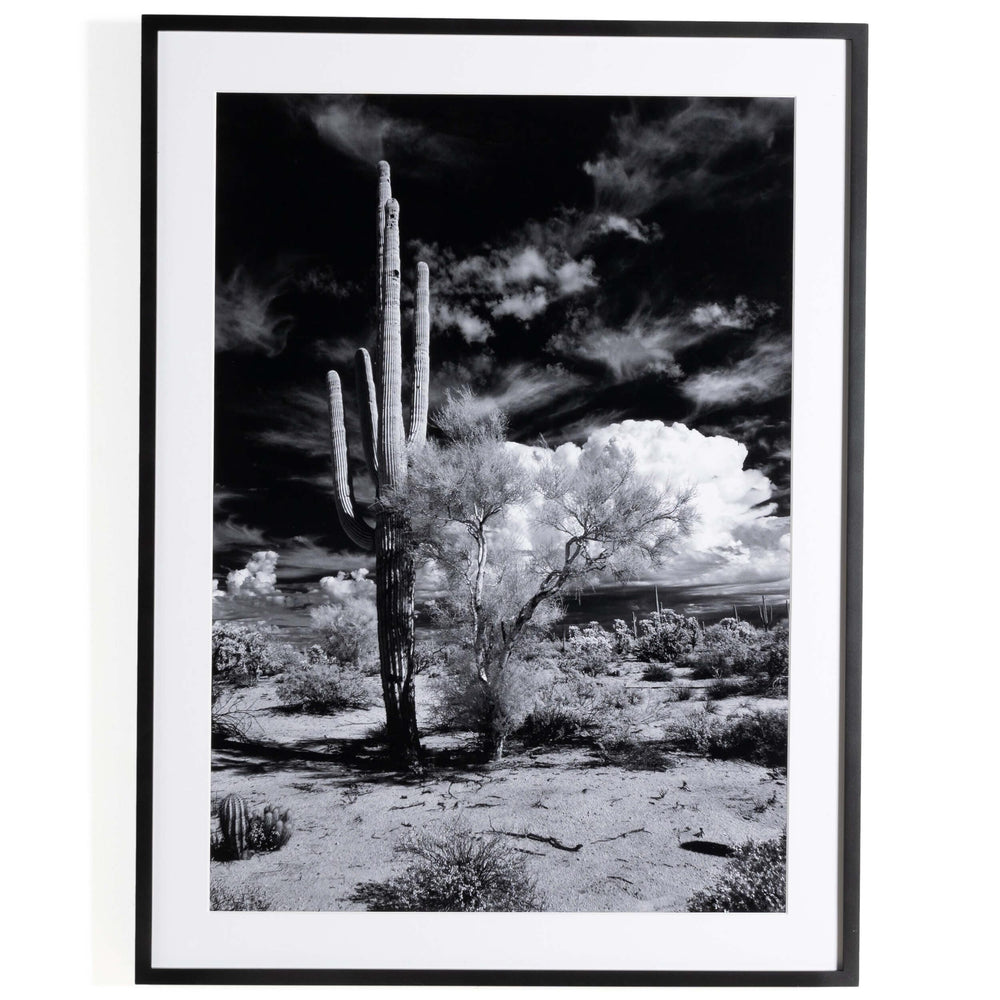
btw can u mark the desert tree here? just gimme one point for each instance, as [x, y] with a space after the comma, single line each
[514, 529]
[384, 440]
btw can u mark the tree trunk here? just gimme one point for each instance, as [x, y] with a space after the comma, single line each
[394, 599]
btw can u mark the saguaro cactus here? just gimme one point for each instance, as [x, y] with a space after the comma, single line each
[380, 392]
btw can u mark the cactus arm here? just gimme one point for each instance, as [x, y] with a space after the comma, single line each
[368, 409]
[391, 438]
[421, 358]
[357, 530]
[384, 196]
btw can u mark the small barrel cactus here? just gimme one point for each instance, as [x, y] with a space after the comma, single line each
[234, 826]
[242, 833]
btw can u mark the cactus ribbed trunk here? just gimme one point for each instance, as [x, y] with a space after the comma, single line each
[393, 561]
[394, 600]
[380, 392]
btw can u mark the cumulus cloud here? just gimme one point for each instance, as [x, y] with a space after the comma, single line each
[305, 558]
[737, 537]
[690, 154]
[258, 580]
[346, 586]
[244, 316]
[764, 374]
[633, 229]
[741, 315]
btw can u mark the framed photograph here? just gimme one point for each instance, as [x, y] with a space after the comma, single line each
[506, 378]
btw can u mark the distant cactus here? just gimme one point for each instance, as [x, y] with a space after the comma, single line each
[766, 614]
[384, 442]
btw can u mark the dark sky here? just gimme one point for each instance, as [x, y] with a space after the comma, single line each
[592, 260]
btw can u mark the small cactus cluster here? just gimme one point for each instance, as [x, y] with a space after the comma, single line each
[241, 833]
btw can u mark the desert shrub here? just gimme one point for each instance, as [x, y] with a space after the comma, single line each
[755, 735]
[728, 648]
[323, 687]
[657, 672]
[456, 871]
[590, 649]
[230, 721]
[773, 656]
[753, 881]
[681, 693]
[349, 632]
[724, 688]
[666, 636]
[241, 899]
[240, 655]
[493, 707]
[736, 647]
[624, 639]
[570, 706]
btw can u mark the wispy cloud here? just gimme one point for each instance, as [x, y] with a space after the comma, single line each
[691, 154]
[764, 374]
[641, 347]
[362, 130]
[520, 279]
[244, 316]
[515, 389]
[231, 534]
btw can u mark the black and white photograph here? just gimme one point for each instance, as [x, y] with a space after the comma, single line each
[502, 509]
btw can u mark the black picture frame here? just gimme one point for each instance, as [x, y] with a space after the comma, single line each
[856, 37]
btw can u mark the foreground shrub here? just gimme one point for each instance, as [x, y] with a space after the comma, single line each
[455, 871]
[590, 649]
[349, 632]
[242, 899]
[666, 636]
[242, 833]
[321, 686]
[752, 882]
[754, 735]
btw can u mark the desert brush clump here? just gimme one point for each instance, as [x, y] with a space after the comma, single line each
[657, 672]
[665, 636]
[241, 655]
[348, 632]
[456, 871]
[571, 706]
[242, 833]
[733, 647]
[753, 881]
[318, 685]
[589, 648]
[759, 736]
[241, 899]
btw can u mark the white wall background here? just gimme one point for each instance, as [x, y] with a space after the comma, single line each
[69, 173]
